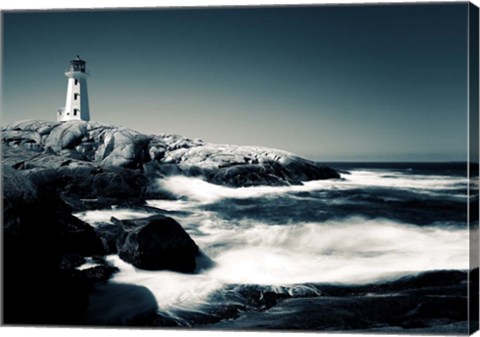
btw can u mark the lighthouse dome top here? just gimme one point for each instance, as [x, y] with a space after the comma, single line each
[78, 65]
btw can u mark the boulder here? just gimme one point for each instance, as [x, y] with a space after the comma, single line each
[123, 148]
[112, 183]
[42, 243]
[240, 166]
[16, 188]
[66, 135]
[41, 217]
[42, 127]
[157, 243]
[78, 237]
[112, 236]
[76, 177]
[121, 304]
[100, 274]
[250, 175]
[21, 136]
[156, 149]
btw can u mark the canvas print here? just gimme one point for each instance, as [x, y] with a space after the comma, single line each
[292, 168]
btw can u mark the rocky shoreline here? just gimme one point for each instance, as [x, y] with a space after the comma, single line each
[93, 159]
[51, 170]
[55, 266]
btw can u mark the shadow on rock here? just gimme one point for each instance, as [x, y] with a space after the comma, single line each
[115, 304]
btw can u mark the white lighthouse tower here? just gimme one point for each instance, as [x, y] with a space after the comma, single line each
[76, 103]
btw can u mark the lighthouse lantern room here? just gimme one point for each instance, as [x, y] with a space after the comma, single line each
[76, 102]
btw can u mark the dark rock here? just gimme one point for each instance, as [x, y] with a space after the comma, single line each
[114, 183]
[71, 261]
[261, 300]
[79, 237]
[157, 243]
[99, 274]
[131, 303]
[43, 242]
[112, 237]
[248, 175]
[17, 191]
[306, 171]
[36, 289]
[45, 297]
[83, 179]
[73, 202]
[270, 173]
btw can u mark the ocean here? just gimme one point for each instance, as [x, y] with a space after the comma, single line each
[371, 251]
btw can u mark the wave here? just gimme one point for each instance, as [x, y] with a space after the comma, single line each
[286, 253]
[170, 205]
[196, 189]
[354, 250]
[396, 179]
[351, 251]
[96, 217]
[173, 291]
[414, 199]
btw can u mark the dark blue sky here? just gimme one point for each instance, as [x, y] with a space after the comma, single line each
[360, 83]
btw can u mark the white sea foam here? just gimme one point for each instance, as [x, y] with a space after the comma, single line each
[199, 190]
[172, 291]
[99, 216]
[348, 251]
[381, 178]
[89, 263]
[170, 205]
[351, 251]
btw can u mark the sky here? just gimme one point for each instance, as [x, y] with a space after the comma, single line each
[346, 83]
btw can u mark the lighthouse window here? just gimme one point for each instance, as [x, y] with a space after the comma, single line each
[75, 111]
[76, 81]
[75, 96]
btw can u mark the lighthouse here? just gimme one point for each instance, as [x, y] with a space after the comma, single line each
[76, 102]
